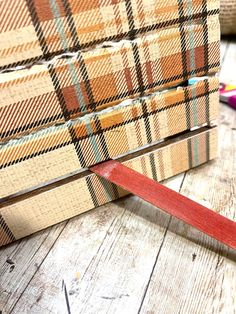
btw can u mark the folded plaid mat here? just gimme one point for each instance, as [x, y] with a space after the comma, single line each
[97, 137]
[93, 80]
[34, 29]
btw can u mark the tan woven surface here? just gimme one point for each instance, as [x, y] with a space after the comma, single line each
[228, 17]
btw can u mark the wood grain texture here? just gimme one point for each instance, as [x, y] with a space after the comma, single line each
[20, 261]
[193, 273]
[107, 264]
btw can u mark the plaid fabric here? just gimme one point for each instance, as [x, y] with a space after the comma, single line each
[62, 202]
[62, 149]
[35, 29]
[93, 80]
[6, 236]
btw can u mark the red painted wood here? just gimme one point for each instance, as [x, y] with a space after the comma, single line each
[175, 204]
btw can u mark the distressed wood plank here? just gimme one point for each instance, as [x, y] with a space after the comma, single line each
[87, 231]
[20, 261]
[100, 275]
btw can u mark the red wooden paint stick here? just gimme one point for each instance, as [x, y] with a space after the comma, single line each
[175, 204]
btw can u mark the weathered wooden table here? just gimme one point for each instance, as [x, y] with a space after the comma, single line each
[129, 257]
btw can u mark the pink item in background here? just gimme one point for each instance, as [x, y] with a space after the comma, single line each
[228, 94]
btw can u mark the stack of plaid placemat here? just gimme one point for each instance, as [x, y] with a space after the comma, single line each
[85, 81]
